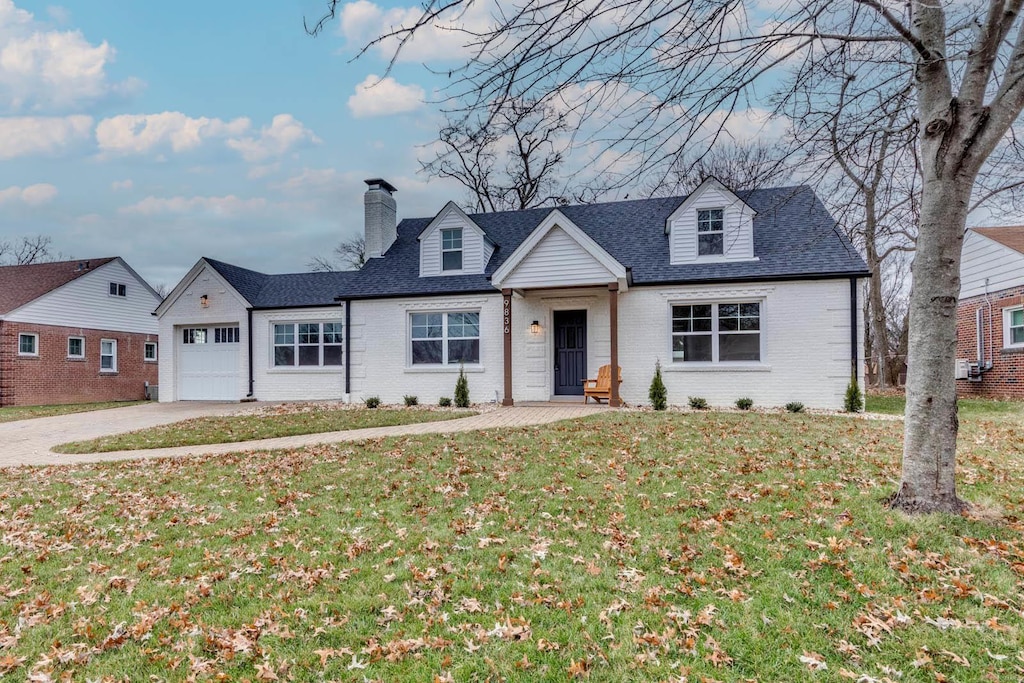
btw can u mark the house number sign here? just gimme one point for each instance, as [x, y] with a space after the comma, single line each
[508, 314]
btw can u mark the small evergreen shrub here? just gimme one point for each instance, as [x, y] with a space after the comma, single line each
[854, 400]
[411, 401]
[658, 393]
[744, 403]
[444, 402]
[372, 401]
[795, 407]
[462, 390]
[698, 403]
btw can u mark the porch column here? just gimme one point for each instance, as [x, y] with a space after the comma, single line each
[506, 321]
[613, 337]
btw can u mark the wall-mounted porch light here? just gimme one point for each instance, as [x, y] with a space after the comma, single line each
[204, 300]
[535, 327]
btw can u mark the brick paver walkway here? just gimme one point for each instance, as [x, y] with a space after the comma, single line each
[28, 442]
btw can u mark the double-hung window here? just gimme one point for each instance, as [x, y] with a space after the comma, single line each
[108, 355]
[1013, 327]
[445, 338]
[716, 332]
[710, 232]
[309, 344]
[451, 249]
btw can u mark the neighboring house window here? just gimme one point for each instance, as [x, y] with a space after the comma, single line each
[445, 338]
[716, 333]
[307, 344]
[108, 355]
[118, 289]
[710, 232]
[149, 352]
[28, 344]
[76, 347]
[193, 335]
[1013, 327]
[451, 249]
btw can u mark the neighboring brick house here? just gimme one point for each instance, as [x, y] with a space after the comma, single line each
[736, 294]
[990, 316]
[76, 332]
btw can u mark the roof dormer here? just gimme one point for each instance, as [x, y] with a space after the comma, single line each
[453, 245]
[712, 225]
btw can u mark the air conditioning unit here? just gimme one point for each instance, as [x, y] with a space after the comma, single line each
[963, 368]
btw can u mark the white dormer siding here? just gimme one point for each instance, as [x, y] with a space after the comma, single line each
[558, 260]
[738, 218]
[476, 248]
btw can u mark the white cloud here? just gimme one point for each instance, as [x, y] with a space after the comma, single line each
[283, 134]
[313, 180]
[26, 135]
[42, 69]
[445, 39]
[225, 207]
[126, 184]
[383, 97]
[141, 133]
[748, 125]
[33, 195]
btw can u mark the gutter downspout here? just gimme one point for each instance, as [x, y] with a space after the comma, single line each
[853, 331]
[348, 348]
[251, 384]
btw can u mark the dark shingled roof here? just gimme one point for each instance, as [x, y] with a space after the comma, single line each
[22, 284]
[794, 237]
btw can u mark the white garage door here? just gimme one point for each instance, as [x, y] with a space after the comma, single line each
[208, 363]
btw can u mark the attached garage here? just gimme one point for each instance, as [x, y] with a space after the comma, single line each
[208, 363]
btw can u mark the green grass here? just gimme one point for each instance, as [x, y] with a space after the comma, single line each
[14, 413]
[236, 428]
[969, 407]
[627, 546]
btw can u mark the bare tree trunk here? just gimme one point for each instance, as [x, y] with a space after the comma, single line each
[879, 334]
[930, 428]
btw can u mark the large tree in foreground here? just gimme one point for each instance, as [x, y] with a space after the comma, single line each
[673, 71]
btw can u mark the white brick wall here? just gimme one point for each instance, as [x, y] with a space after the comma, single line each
[298, 383]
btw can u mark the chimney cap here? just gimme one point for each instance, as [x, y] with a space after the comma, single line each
[381, 184]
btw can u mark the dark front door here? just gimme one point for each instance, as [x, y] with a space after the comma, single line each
[570, 352]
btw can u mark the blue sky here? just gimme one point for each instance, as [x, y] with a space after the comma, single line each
[163, 132]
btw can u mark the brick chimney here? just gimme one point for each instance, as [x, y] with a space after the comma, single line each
[380, 216]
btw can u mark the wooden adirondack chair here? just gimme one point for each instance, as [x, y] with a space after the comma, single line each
[602, 386]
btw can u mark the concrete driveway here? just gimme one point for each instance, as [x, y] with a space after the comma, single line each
[28, 442]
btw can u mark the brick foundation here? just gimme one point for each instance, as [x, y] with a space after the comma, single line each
[53, 378]
[1006, 379]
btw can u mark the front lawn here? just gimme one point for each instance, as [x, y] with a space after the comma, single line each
[266, 424]
[13, 413]
[626, 546]
[969, 407]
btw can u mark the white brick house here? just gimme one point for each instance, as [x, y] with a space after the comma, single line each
[747, 294]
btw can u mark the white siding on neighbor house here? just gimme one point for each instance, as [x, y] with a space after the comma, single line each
[293, 383]
[738, 238]
[984, 258]
[226, 308]
[475, 251]
[86, 302]
[381, 364]
[558, 260]
[806, 345]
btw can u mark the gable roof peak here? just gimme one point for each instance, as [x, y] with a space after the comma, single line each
[24, 283]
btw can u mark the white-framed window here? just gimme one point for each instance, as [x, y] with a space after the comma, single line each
[193, 335]
[1013, 327]
[716, 332]
[149, 352]
[450, 338]
[28, 344]
[307, 344]
[76, 347]
[118, 289]
[108, 355]
[710, 232]
[451, 249]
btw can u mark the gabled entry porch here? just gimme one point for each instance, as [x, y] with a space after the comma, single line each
[560, 293]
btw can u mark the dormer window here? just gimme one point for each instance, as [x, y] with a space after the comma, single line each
[451, 249]
[710, 232]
